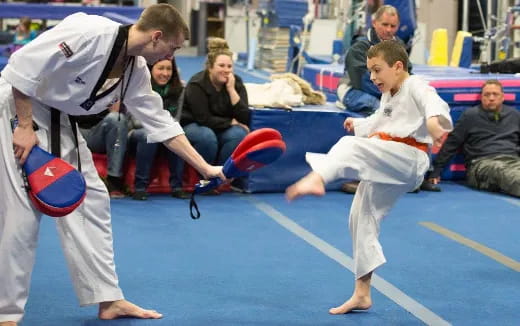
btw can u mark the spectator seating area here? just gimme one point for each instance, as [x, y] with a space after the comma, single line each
[159, 179]
[317, 128]
[310, 128]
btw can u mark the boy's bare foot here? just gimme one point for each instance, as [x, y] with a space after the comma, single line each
[354, 303]
[311, 184]
[123, 308]
[8, 323]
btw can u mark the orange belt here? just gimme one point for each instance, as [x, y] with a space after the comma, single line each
[407, 140]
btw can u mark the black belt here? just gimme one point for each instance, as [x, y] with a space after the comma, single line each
[56, 135]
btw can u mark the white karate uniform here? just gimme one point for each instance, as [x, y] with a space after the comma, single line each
[387, 169]
[59, 69]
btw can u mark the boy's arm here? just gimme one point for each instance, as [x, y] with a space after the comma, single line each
[24, 137]
[455, 140]
[435, 110]
[436, 129]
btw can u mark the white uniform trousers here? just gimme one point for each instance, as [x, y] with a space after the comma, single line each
[387, 169]
[85, 234]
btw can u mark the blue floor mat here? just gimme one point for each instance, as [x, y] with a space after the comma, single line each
[238, 266]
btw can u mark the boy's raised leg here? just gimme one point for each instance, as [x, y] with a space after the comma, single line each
[311, 184]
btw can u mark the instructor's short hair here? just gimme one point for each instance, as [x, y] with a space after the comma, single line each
[163, 17]
[391, 51]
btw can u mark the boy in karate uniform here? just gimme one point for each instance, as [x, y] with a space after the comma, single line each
[388, 154]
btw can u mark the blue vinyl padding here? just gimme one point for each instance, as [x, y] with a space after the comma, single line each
[123, 15]
[407, 17]
[314, 73]
[3, 62]
[284, 13]
[307, 129]
[58, 12]
[467, 52]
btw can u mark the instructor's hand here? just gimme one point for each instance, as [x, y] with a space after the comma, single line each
[24, 139]
[214, 172]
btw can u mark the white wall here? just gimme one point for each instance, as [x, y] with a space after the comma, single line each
[438, 14]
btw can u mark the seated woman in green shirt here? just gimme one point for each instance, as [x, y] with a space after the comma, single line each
[166, 82]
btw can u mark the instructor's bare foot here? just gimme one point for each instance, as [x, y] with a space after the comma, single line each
[8, 323]
[311, 184]
[354, 303]
[123, 308]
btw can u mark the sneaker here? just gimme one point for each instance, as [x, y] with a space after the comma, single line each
[428, 186]
[116, 194]
[140, 195]
[115, 187]
[181, 194]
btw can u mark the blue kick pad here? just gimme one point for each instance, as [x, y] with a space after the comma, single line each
[307, 129]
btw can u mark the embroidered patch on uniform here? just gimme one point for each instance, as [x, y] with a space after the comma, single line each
[65, 49]
[387, 111]
[78, 80]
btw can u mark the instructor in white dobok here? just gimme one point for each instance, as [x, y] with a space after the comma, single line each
[80, 67]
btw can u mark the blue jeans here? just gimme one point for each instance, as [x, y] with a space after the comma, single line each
[144, 158]
[214, 146]
[361, 102]
[109, 137]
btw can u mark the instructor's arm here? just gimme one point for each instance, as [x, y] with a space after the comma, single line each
[181, 146]
[24, 137]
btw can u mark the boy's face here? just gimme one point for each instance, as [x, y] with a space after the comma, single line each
[385, 77]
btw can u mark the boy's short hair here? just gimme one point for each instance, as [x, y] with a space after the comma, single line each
[492, 82]
[163, 17]
[391, 51]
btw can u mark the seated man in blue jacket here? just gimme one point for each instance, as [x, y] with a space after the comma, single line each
[489, 135]
[355, 90]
